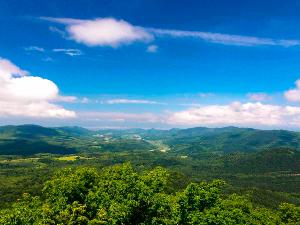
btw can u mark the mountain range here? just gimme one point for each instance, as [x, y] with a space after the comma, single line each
[32, 139]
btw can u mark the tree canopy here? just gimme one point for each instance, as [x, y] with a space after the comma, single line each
[121, 195]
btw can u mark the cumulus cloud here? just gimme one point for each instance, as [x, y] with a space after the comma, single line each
[293, 95]
[103, 31]
[259, 97]
[129, 101]
[113, 32]
[236, 113]
[152, 48]
[24, 95]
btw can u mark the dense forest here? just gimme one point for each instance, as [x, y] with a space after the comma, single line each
[121, 195]
[71, 175]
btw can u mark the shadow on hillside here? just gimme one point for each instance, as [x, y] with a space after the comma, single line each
[26, 147]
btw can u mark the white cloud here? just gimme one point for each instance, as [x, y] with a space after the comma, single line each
[103, 31]
[8, 69]
[293, 95]
[129, 101]
[257, 115]
[68, 51]
[236, 113]
[152, 48]
[113, 32]
[226, 39]
[259, 97]
[34, 48]
[25, 95]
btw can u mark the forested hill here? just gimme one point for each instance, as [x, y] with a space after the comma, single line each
[32, 139]
[121, 195]
[263, 164]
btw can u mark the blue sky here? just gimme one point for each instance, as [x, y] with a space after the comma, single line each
[150, 63]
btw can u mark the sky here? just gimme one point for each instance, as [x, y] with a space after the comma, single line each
[150, 63]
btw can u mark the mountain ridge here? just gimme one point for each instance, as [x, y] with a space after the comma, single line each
[184, 141]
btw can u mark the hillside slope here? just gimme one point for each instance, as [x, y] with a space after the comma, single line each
[32, 139]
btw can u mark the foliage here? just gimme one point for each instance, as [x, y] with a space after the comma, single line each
[121, 195]
[262, 168]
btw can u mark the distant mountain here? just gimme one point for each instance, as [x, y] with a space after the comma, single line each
[75, 130]
[26, 131]
[226, 139]
[230, 139]
[31, 139]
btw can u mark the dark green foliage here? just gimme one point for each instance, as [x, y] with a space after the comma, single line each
[27, 147]
[28, 140]
[128, 145]
[121, 195]
[26, 131]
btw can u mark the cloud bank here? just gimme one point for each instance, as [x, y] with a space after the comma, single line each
[236, 113]
[249, 114]
[28, 96]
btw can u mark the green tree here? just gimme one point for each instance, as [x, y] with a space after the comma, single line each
[119, 195]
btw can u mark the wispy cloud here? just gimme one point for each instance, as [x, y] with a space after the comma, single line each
[72, 99]
[130, 101]
[226, 39]
[259, 97]
[121, 117]
[66, 51]
[206, 94]
[34, 48]
[47, 59]
[152, 48]
[69, 99]
[69, 51]
[113, 32]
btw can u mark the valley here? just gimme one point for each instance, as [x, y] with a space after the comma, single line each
[264, 165]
